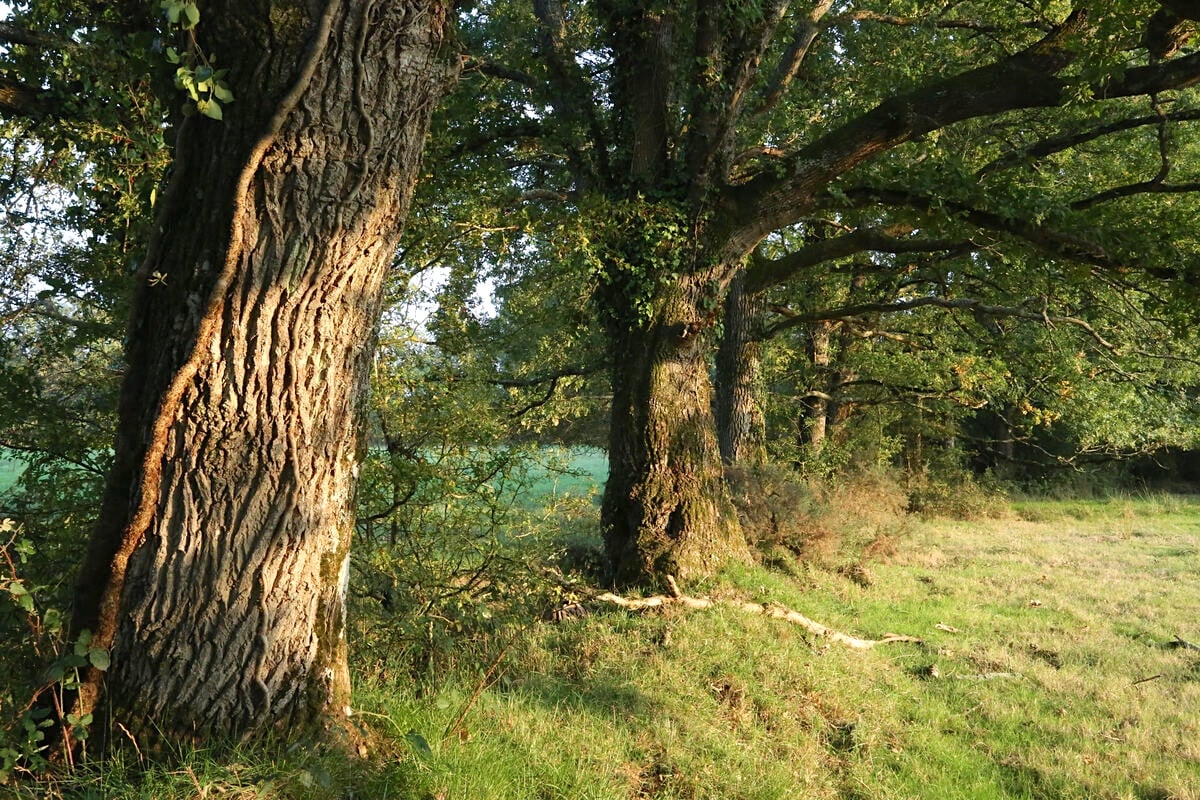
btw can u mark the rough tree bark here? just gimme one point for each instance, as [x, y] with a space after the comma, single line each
[814, 425]
[741, 424]
[217, 572]
[666, 510]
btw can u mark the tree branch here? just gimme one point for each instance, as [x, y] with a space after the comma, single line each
[493, 70]
[1066, 141]
[740, 77]
[1048, 240]
[550, 377]
[1024, 80]
[1028, 79]
[570, 93]
[15, 34]
[22, 100]
[764, 273]
[789, 65]
[936, 22]
[1145, 187]
[976, 306]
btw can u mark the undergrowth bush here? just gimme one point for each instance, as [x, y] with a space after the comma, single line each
[38, 663]
[457, 515]
[826, 521]
[461, 561]
[956, 494]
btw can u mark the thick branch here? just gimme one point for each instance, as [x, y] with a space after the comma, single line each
[766, 273]
[15, 34]
[976, 306]
[19, 99]
[789, 64]
[1029, 79]
[1025, 80]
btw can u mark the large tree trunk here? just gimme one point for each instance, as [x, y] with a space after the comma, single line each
[217, 572]
[666, 510]
[741, 425]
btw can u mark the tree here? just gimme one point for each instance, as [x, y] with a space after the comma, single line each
[686, 134]
[216, 575]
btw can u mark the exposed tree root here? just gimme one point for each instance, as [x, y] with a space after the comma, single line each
[677, 597]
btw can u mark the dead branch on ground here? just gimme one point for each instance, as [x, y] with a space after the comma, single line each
[676, 597]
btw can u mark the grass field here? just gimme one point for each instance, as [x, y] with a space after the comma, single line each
[10, 470]
[1049, 669]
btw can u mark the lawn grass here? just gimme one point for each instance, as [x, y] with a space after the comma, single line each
[1052, 676]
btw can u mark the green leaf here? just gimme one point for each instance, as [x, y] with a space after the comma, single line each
[99, 658]
[193, 16]
[222, 92]
[172, 8]
[172, 55]
[210, 109]
[419, 745]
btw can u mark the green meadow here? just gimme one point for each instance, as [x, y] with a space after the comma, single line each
[1057, 660]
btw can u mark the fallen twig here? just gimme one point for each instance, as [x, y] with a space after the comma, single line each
[988, 676]
[483, 683]
[1146, 680]
[766, 609]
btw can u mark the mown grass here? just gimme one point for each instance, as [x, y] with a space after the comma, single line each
[1052, 676]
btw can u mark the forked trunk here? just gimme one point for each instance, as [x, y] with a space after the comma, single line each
[217, 573]
[666, 510]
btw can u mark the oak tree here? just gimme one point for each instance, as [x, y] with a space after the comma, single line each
[215, 577]
[684, 135]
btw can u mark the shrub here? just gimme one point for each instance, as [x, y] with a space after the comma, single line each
[822, 521]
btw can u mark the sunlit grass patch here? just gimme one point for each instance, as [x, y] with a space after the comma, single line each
[1050, 668]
